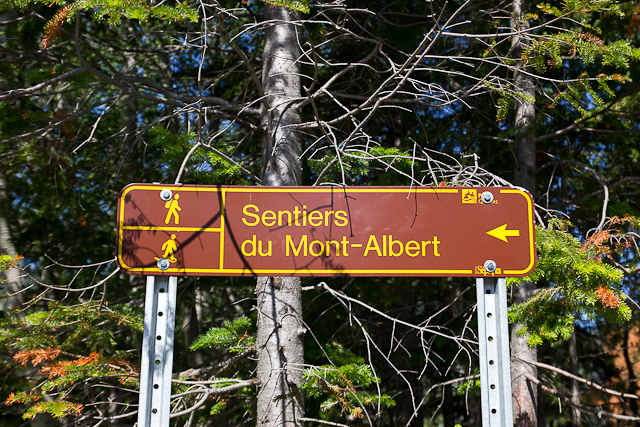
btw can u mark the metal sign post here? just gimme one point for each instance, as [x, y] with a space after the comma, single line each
[493, 336]
[157, 351]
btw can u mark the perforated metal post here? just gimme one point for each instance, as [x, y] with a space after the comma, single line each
[495, 364]
[157, 351]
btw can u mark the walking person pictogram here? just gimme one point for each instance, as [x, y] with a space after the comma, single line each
[170, 247]
[174, 208]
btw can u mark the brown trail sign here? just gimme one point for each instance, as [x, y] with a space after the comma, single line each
[171, 230]
[325, 231]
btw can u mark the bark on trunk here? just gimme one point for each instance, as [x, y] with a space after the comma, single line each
[633, 380]
[281, 84]
[128, 106]
[279, 344]
[525, 394]
[576, 415]
[12, 283]
[280, 352]
[448, 410]
[192, 326]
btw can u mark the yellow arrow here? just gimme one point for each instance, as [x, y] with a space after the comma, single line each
[502, 233]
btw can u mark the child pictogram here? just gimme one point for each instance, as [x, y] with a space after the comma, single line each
[169, 247]
[174, 208]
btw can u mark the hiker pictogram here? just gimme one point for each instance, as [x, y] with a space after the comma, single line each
[174, 208]
[170, 247]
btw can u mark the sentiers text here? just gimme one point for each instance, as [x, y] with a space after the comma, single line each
[381, 246]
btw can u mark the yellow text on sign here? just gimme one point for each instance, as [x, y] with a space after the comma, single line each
[375, 246]
[296, 217]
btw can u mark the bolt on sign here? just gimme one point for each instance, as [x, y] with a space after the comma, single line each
[325, 231]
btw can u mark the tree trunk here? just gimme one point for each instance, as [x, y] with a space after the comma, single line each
[633, 380]
[279, 344]
[128, 106]
[576, 416]
[525, 394]
[12, 284]
[12, 278]
[192, 324]
[448, 411]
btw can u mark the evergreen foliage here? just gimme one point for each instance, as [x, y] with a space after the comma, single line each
[300, 6]
[8, 261]
[580, 286]
[63, 373]
[51, 340]
[204, 166]
[234, 336]
[343, 384]
[113, 11]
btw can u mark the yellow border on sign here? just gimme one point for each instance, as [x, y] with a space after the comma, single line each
[214, 188]
[335, 189]
[223, 214]
[281, 272]
[121, 229]
[532, 244]
[224, 191]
